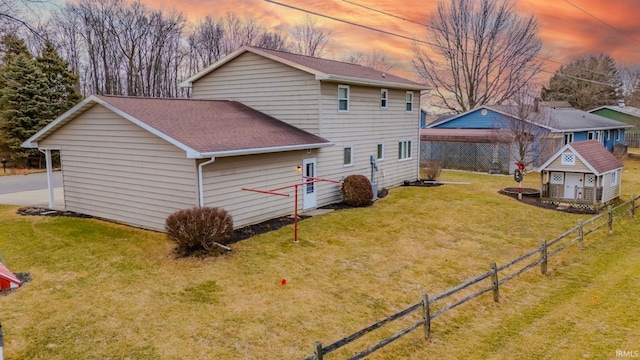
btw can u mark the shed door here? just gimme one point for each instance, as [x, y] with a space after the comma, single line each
[309, 191]
[570, 183]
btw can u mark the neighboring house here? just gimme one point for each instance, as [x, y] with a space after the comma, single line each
[258, 120]
[582, 174]
[626, 114]
[554, 127]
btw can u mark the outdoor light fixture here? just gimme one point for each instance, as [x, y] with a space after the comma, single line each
[299, 169]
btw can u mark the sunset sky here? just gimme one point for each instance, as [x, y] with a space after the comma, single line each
[566, 31]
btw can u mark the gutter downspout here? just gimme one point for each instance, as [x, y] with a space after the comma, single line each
[200, 186]
[47, 156]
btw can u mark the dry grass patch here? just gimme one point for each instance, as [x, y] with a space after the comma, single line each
[101, 290]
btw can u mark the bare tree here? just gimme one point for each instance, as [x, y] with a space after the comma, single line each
[310, 39]
[630, 77]
[481, 52]
[373, 59]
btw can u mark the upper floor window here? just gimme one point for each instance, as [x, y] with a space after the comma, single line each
[404, 149]
[343, 98]
[380, 152]
[384, 98]
[348, 156]
[409, 101]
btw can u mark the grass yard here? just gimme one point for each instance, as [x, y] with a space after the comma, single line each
[102, 290]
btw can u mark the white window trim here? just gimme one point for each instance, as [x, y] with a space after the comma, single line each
[618, 134]
[613, 179]
[552, 174]
[382, 145]
[384, 96]
[351, 153]
[568, 138]
[406, 102]
[347, 99]
[409, 150]
[563, 160]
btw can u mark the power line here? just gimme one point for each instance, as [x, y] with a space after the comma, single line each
[602, 21]
[403, 36]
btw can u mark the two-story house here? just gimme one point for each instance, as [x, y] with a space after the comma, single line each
[258, 119]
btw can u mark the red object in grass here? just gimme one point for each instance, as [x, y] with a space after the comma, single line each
[8, 280]
[283, 281]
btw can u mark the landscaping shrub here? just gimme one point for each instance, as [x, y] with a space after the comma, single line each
[430, 170]
[357, 191]
[196, 230]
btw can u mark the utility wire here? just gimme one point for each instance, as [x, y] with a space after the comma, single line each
[602, 21]
[403, 36]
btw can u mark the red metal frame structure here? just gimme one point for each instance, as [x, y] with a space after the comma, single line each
[276, 191]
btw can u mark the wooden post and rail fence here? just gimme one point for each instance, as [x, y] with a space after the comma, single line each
[430, 308]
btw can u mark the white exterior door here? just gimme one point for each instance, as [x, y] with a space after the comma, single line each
[309, 191]
[571, 181]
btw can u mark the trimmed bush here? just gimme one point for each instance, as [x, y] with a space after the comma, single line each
[430, 170]
[197, 230]
[357, 191]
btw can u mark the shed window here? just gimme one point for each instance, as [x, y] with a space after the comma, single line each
[557, 178]
[614, 178]
[568, 159]
[384, 98]
[343, 98]
[590, 180]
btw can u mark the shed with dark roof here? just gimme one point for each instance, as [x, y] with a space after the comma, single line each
[582, 173]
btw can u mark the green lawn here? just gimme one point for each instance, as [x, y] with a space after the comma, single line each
[102, 290]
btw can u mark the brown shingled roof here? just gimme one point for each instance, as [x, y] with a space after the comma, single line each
[596, 155]
[213, 126]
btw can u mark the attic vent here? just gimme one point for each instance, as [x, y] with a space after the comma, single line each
[568, 159]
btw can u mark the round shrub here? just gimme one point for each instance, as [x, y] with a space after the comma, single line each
[357, 191]
[198, 229]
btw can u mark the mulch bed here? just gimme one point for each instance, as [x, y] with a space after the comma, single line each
[423, 183]
[531, 197]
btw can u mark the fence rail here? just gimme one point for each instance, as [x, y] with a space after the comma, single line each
[546, 250]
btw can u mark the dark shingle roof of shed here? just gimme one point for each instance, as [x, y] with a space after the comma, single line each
[596, 155]
[209, 126]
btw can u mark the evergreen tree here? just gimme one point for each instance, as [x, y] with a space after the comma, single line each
[62, 82]
[586, 83]
[11, 46]
[24, 105]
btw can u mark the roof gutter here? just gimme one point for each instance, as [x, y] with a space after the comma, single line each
[200, 186]
[265, 150]
[361, 81]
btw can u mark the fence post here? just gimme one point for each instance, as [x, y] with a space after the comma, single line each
[317, 350]
[580, 235]
[633, 207]
[427, 315]
[610, 210]
[1, 343]
[543, 257]
[494, 281]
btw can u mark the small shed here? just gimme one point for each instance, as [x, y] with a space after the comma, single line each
[8, 280]
[581, 174]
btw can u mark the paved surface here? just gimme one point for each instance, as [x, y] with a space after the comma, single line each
[31, 190]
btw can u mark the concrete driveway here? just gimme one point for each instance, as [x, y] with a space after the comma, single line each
[31, 190]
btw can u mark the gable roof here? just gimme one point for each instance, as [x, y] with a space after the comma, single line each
[202, 128]
[559, 119]
[628, 110]
[323, 69]
[595, 156]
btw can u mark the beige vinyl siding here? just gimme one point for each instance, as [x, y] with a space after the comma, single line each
[224, 179]
[268, 86]
[556, 165]
[116, 170]
[364, 127]
[610, 192]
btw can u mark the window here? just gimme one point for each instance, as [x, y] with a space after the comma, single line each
[614, 178]
[590, 135]
[384, 98]
[409, 101]
[608, 134]
[404, 150]
[568, 138]
[590, 180]
[557, 178]
[568, 159]
[343, 98]
[348, 156]
[618, 134]
[380, 152]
